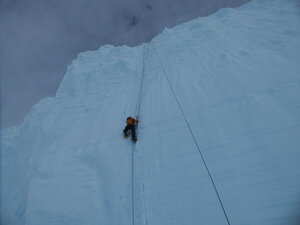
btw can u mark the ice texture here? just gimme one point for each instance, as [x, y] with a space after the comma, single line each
[236, 76]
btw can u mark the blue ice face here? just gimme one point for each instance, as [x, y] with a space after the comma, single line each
[219, 113]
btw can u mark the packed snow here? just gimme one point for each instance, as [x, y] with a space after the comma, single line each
[236, 77]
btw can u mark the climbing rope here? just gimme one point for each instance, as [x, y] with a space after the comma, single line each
[138, 103]
[137, 110]
[192, 134]
[132, 184]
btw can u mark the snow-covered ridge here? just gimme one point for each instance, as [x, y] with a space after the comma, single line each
[236, 76]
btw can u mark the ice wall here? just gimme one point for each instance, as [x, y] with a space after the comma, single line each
[235, 75]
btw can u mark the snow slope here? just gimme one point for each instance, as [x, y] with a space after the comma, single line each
[235, 75]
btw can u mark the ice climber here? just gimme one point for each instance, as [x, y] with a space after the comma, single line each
[131, 122]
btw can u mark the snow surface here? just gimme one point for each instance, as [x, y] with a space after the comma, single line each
[236, 77]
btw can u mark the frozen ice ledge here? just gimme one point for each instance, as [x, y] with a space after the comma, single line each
[236, 76]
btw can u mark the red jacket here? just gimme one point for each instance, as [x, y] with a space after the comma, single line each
[131, 121]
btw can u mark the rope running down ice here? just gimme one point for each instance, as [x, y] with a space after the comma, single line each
[192, 134]
[137, 110]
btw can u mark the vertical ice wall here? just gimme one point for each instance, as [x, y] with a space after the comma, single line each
[235, 75]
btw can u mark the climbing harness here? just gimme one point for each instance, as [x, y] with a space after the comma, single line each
[137, 110]
[191, 132]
